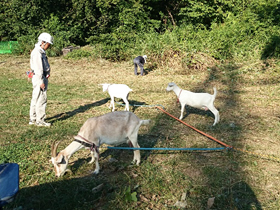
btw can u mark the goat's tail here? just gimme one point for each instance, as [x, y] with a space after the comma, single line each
[145, 122]
[215, 93]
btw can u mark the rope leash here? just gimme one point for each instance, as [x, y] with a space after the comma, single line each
[188, 149]
[226, 146]
[161, 107]
[157, 105]
[196, 149]
[269, 157]
[222, 143]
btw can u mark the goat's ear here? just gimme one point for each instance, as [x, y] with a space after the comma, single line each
[170, 84]
[58, 159]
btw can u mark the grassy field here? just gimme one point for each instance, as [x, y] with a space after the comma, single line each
[248, 101]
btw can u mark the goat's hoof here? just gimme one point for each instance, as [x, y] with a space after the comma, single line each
[135, 162]
[95, 172]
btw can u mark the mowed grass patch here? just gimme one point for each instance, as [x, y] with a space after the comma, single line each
[248, 99]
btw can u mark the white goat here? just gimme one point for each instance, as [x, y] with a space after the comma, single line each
[112, 128]
[197, 100]
[118, 91]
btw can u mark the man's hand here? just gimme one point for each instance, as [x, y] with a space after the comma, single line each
[42, 86]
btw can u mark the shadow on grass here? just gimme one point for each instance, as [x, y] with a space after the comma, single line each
[80, 109]
[243, 196]
[190, 110]
[75, 193]
[272, 49]
[80, 193]
[149, 68]
[222, 174]
[239, 195]
[133, 105]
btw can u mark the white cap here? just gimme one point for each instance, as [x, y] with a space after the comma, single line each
[46, 38]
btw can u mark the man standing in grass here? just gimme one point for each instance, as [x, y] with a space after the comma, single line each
[41, 69]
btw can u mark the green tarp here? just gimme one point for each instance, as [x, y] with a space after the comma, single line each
[7, 47]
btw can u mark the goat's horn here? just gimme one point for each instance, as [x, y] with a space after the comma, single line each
[68, 170]
[54, 148]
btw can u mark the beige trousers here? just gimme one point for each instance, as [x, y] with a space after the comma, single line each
[39, 100]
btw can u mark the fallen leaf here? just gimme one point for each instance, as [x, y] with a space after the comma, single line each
[184, 195]
[210, 202]
[143, 198]
[97, 189]
[181, 204]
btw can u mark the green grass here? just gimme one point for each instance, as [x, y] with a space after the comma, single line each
[248, 100]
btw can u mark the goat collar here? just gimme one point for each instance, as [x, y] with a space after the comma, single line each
[83, 143]
[86, 143]
[179, 96]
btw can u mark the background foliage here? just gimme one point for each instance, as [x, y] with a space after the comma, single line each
[119, 30]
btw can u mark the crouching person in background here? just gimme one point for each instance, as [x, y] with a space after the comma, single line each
[41, 69]
[139, 61]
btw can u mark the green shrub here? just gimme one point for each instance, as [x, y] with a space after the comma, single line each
[120, 30]
[52, 26]
[78, 54]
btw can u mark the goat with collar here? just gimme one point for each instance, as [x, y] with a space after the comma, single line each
[197, 100]
[113, 128]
